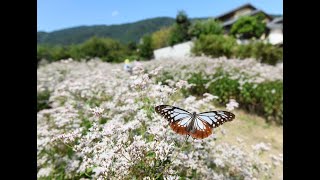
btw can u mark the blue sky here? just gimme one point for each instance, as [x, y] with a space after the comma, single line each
[59, 14]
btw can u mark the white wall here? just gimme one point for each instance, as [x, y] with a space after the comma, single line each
[275, 36]
[178, 50]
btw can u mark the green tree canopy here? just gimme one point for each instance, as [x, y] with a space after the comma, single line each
[180, 29]
[107, 49]
[161, 38]
[205, 27]
[145, 47]
[249, 26]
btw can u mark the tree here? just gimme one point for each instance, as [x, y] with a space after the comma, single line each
[132, 46]
[43, 52]
[145, 47]
[160, 38]
[249, 26]
[107, 49]
[205, 27]
[60, 52]
[180, 29]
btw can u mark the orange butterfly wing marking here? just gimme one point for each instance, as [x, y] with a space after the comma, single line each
[176, 127]
[200, 134]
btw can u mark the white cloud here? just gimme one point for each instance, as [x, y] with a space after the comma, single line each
[115, 13]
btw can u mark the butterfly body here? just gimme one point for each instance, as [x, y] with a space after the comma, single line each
[198, 126]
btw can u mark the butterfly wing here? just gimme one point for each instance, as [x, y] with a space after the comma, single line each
[215, 118]
[178, 118]
[202, 129]
[206, 121]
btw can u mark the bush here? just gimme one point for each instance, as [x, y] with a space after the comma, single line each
[267, 53]
[264, 52]
[43, 53]
[60, 52]
[218, 45]
[199, 80]
[214, 45]
[107, 49]
[76, 52]
[166, 75]
[264, 99]
[52, 53]
[225, 88]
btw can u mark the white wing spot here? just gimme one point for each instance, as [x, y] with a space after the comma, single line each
[180, 111]
[180, 116]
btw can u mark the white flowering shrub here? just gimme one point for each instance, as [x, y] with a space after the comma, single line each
[100, 123]
[257, 87]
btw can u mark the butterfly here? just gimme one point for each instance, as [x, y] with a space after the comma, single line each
[198, 126]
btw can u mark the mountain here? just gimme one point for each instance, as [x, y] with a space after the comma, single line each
[123, 32]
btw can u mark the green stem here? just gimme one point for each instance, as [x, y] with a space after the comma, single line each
[66, 144]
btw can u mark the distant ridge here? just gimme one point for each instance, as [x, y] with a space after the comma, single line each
[124, 33]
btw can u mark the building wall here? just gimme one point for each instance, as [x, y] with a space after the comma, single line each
[179, 50]
[275, 36]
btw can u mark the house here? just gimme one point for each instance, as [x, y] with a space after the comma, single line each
[273, 34]
[275, 31]
[230, 17]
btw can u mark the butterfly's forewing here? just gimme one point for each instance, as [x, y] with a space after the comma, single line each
[216, 118]
[178, 118]
[171, 113]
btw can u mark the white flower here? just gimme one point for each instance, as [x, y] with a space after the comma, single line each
[181, 84]
[44, 172]
[260, 147]
[132, 133]
[97, 111]
[232, 104]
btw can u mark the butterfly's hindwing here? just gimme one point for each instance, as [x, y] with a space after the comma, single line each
[202, 129]
[178, 128]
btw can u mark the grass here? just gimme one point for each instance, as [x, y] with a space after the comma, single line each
[253, 129]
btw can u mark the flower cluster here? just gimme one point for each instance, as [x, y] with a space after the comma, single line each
[102, 125]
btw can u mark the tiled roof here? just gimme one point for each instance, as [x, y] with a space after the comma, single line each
[276, 23]
[230, 22]
[231, 11]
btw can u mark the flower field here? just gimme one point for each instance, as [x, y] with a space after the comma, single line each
[96, 121]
